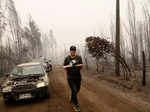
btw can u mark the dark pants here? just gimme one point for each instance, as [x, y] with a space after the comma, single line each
[74, 85]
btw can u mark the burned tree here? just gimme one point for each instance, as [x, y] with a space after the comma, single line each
[100, 47]
[14, 44]
[33, 36]
[132, 32]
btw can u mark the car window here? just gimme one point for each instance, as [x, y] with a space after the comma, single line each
[30, 70]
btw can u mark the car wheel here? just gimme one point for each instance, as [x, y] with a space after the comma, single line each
[47, 93]
[44, 93]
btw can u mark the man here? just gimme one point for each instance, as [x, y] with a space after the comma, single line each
[73, 65]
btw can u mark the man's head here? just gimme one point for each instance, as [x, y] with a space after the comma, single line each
[73, 50]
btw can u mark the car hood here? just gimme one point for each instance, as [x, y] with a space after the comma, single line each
[26, 77]
[17, 80]
[22, 80]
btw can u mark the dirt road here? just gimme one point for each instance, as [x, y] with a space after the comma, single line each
[93, 97]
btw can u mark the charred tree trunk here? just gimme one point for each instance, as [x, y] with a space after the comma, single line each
[117, 49]
[97, 65]
[144, 70]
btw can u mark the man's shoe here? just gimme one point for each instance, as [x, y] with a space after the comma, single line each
[76, 108]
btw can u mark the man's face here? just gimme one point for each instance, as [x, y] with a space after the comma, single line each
[72, 52]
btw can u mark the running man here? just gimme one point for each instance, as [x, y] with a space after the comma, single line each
[73, 64]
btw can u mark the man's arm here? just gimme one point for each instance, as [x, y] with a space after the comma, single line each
[66, 63]
[80, 65]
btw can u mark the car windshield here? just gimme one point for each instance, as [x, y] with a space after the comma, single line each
[29, 70]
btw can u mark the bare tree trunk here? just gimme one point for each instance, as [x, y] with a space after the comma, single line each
[133, 33]
[144, 72]
[97, 66]
[86, 58]
[117, 50]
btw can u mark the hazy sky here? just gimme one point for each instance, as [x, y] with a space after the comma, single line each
[71, 20]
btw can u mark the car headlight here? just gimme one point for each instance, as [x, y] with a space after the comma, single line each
[7, 89]
[41, 84]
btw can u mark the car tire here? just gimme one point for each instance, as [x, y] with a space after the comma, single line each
[47, 93]
[44, 93]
